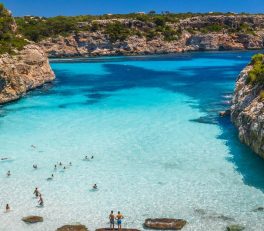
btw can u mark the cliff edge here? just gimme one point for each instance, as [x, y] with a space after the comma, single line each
[23, 64]
[26, 70]
[247, 110]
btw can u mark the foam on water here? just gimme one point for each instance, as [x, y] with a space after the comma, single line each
[160, 149]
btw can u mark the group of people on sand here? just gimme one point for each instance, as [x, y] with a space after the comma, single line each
[118, 218]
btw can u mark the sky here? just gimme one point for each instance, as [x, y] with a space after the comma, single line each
[77, 7]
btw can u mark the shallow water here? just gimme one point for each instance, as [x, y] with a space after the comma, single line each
[152, 125]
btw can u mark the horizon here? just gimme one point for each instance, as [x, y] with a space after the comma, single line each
[80, 7]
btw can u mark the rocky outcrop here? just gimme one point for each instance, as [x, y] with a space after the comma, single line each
[192, 37]
[26, 70]
[32, 219]
[72, 228]
[247, 112]
[97, 43]
[235, 228]
[123, 229]
[165, 224]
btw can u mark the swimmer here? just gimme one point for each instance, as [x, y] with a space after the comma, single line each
[35, 166]
[8, 173]
[33, 146]
[60, 164]
[70, 163]
[92, 157]
[95, 186]
[36, 192]
[7, 208]
[50, 178]
[55, 167]
[64, 167]
[4, 158]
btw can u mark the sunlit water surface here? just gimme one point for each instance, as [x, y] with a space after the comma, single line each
[159, 148]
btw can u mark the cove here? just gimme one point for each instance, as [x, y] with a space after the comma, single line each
[159, 147]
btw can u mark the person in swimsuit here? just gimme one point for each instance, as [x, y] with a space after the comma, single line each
[119, 218]
[41, 202]
[95, 186]
[36, 192]
[35, 166]
[112, 220]
[8, 173]
[7, 208]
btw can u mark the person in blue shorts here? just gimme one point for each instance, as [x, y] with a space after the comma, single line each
[119, 218]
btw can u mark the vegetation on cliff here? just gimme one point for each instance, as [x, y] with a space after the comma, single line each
[116, 27]
[256, 75]
[9, 39]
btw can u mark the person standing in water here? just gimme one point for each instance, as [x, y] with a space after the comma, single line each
[36, 192]
[8, 173]
[112, 220]
[41, 202]
[7, 208]
[119, 218]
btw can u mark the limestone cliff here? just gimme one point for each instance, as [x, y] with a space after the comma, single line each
[27, 69]
[247, 112]
[218, 32]
[23, 64]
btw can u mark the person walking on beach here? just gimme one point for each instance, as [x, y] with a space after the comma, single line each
[36, 192]
[119, 218]
[112, 220]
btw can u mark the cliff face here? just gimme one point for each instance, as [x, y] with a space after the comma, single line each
[192, 37]
[247, 112]
[26, 70]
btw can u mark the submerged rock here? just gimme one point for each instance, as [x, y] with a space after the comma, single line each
[72, 228]
[235, 228]
[32, 219]
[165, 223]
[258, 209]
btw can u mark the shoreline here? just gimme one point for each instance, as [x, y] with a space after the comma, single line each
[152, 55]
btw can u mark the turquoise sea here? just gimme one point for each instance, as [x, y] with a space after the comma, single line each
[159, 147]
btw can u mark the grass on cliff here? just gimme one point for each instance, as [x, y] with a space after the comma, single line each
[256, 75]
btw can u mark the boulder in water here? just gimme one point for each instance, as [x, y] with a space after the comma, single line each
[32, 219]
[165, 224]
[72, 228]
[224, 113]
[235, 228]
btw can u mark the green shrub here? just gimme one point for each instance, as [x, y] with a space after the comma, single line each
[261, 95]
[256, 75]
[117, 31]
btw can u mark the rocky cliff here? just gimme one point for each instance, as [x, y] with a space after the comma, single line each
[247, 111]
[26, 70]
[23, 64]
[221, 32]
